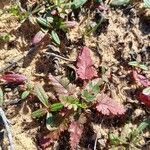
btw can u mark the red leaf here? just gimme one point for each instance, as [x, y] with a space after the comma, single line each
[13, 78]
[107, 106]
[145, 99]
[75, 130]
[85, 68]
[38, 38]
[140, 79]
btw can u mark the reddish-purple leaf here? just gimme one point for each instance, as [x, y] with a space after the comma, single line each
[140, 79]
[145, 99]
[13, 78]
[75, 130]
[85, 68]
[38, 38]
[108, 106]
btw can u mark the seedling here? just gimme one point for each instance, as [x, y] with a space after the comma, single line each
[138, 64]
[5, 38]
[129, 138]
[72, 101]
[26, 93]
[16, 11]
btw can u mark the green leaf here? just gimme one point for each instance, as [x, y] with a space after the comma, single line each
[144, 125]
[70, 102]
[1, 97]
[56, 106]
[53, 121]
[133, 63]
[29, 86]
[144, 67]
[146, 91]
[55, 37]
[119, 2]
[5, 38]
[25, 94]
[82, 105]
[44, 22]
[38, 113]
[147, 3]
[114, 139]
[50, 125]
[98, 1]
[91, 90]
[78, 3]
[41, 94]
[137, 64]
[16, 11]
[87, 96]
[135, 133]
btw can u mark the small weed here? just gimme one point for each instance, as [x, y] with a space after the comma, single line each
[129, 138]
[138, 64]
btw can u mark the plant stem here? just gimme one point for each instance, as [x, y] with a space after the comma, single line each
[5, 120]
[58, 56]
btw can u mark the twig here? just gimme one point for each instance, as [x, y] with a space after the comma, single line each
[95, 142]
[58, 56]
[5, 120]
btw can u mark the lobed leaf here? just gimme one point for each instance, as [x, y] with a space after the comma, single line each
[108, 106]
[75, 130]
[91, 90]
[85, 69]
[41, 94]
[71, 102]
